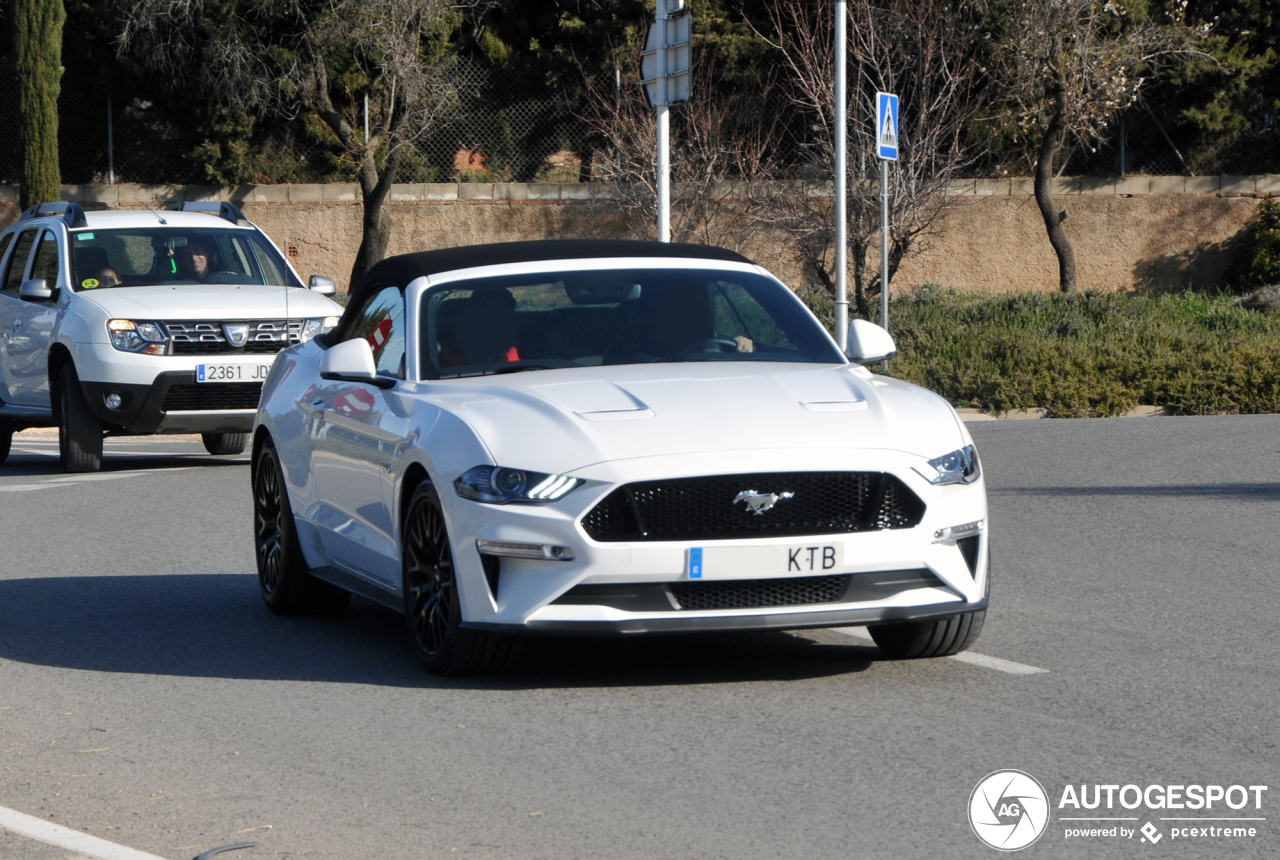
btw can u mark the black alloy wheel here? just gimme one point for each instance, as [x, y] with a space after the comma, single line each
[433, 608]
[79, 430]
[287, 586]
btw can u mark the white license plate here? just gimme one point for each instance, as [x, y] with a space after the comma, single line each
[764, 562]
[232, 372]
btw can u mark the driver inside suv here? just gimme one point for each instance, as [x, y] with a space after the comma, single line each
[194, 260]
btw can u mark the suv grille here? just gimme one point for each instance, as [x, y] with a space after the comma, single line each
[754, 593]
[212, 396]
[704, 509]
[209, 337]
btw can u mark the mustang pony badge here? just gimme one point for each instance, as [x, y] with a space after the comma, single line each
[760, 503]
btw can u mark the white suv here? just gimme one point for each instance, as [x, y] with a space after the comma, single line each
[141, 322]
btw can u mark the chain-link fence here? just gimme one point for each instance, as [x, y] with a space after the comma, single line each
[500, 126]
[1132, 145]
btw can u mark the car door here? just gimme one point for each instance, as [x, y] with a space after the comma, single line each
[12, 312]
[354, 434]
[32, 328]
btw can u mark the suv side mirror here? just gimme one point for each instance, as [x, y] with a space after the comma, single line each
[352, 361]
[35, 290]
[322, 285]
[868, 343]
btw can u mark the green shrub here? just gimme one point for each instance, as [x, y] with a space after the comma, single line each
[1090, 354]
[1258, 262]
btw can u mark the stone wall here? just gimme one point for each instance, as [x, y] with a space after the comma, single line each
[1161, 232]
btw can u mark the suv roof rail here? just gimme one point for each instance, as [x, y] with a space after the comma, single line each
[223, 209]
[72, 213]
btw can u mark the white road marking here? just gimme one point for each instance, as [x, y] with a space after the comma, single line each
[73, 480]
[72, 840]
[1007, 666]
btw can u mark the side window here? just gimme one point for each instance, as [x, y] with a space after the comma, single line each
[5, 242]
[18, 262]
[381, 322]
[46, 265]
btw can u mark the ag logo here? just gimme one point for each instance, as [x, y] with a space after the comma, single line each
[1008, 810]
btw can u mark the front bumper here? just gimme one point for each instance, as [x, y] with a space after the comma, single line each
[147, 409]
[892, 574]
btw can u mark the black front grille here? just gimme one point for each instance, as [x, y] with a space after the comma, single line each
[212, 396]
[821, 503]
[756, 593]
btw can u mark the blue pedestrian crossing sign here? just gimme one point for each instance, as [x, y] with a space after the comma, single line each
[887, 126]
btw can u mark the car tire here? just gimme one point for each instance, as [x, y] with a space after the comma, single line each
[433, 610]
[938, 637]
[287, 586]
[79, 430]
[224, 443]
[6, 443]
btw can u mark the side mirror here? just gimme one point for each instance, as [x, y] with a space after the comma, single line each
[322, 285]
[868, 343]
[352, 361]
[35, 290]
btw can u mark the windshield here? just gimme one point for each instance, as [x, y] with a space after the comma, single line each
[102, 259]
[619, 316]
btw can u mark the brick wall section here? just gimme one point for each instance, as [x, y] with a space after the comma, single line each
[1162, 232]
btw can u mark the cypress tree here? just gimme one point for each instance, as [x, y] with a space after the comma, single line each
[37, 54]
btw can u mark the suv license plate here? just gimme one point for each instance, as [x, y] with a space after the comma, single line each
[232, 372]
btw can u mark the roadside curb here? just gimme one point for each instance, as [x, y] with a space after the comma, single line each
[970, 414]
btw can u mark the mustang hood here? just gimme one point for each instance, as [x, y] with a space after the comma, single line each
[210, 301]
[562, 420]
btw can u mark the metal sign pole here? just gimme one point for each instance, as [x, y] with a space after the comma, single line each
[842, 181]
[111, 147]
[887, 150]
[884, 250]
[664, 127]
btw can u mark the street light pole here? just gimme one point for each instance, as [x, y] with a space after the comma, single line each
[664, 127]
[842, 180]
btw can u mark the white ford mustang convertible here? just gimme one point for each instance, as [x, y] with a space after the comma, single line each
[610, 437]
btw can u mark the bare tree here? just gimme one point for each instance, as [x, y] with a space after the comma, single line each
[284, 56]
[1066, 68]
[722, 155]
[926, 51]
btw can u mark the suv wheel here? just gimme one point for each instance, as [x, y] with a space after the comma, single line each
[432, 606]
[6, 442]
[79, 430]
[288, 588]
[225, 443]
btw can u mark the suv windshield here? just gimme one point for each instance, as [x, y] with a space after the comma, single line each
[145, 256]
[619, 316]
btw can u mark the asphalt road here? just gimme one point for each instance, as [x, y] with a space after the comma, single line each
[147, 697]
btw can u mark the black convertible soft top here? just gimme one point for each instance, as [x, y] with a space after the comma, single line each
[404, 268]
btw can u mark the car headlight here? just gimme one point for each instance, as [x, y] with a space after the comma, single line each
[958, 467]
[148, 338]
[499, 486]
[316, 326]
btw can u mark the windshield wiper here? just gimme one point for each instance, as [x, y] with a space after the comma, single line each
[516, 368]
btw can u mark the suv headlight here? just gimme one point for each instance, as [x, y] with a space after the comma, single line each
[958, 467]
[499, 486]
[148, 338]
[316, 326]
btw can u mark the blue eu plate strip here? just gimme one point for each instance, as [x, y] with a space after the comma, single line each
[199, 373]
[695, 562]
